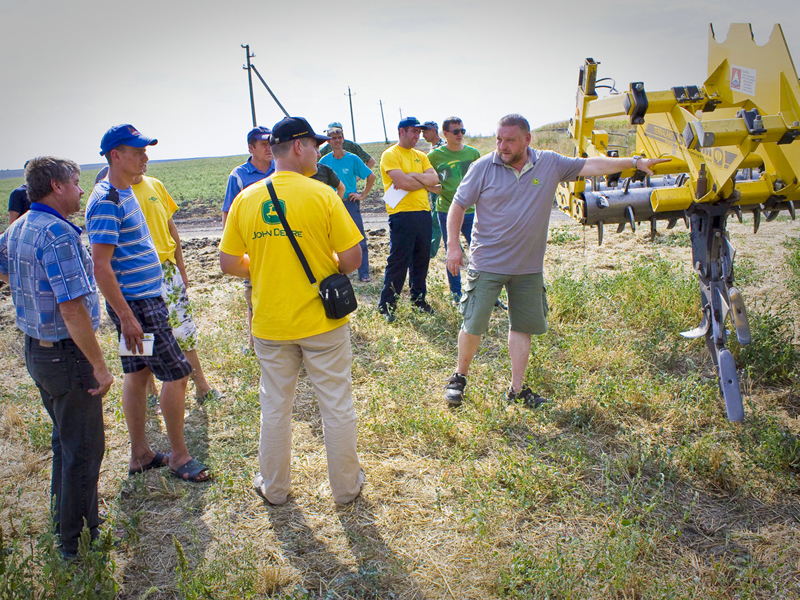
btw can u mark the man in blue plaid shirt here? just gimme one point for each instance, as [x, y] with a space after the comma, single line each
[53, 290]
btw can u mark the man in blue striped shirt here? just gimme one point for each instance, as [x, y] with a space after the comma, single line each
[129, 275]
[57, 307]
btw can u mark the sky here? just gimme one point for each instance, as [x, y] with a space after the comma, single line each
[174, 68]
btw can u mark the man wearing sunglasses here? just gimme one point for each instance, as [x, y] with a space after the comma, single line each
[451, 162]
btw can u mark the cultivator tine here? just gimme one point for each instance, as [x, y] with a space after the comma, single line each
[672, 223]
[729, 385]
[621, 227]
[701, 329]
[599, 233]
[738, 212]
[686, 220]
[629, 215]
[756, 220]
[653, 228]
[739, 316]
[772, 215]
[791, 210]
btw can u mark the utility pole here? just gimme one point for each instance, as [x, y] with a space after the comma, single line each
[274, 97]
[401, 113]
[250, 81]
[352, 121]
[386, 137]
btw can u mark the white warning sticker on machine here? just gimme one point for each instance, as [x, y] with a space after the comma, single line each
[743, 80]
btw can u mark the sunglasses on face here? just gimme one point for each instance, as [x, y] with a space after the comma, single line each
[457, 131]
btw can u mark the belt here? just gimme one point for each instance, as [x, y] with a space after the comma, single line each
[67, 343]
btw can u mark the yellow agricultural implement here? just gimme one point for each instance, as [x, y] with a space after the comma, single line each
[732, 147]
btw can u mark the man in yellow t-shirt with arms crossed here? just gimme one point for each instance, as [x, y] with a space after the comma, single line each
[408, 171]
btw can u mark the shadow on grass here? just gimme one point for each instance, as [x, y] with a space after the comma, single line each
[378, 572]
[156, 507]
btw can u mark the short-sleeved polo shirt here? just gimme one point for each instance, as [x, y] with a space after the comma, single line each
[512, 209]
[242, 176]
[47, 265]
[114, 217]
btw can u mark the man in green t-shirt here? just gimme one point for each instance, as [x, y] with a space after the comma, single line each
[451, 162]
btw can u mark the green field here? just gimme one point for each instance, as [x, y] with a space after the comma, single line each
[630, 484]
[198, 185]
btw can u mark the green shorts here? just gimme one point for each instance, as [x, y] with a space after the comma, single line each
[527, 301]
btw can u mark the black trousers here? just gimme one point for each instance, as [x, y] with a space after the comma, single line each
[409, 252]
[63, 375]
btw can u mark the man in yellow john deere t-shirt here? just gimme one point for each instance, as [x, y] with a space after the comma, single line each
[158, 207]
[289, 322]
[405, 169]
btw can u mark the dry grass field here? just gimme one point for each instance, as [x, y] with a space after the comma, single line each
[630, 484]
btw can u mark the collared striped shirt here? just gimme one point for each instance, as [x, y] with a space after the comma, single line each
[241, 177]
[46, 264]
[114, 217]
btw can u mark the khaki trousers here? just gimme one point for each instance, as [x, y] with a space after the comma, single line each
[327, 358]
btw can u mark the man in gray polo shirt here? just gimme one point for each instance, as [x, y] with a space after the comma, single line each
[512, 190]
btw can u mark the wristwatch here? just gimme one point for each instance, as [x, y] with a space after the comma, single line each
[634, 160]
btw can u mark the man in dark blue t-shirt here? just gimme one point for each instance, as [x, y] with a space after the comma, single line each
[18, 203]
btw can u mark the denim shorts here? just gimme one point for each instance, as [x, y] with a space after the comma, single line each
[527, 301]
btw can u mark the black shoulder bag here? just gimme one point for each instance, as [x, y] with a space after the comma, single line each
[336, 291]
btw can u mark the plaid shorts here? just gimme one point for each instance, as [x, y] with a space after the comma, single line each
[168, 362]
[173, 291]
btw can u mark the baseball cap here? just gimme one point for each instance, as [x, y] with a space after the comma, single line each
[124, 134]
[431, 125]
[334, 127]
[411, 122]
[258, 133]
[293, 128]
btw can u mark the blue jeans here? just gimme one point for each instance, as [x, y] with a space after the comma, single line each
[63, 375]
[466, 229]
[409, 252]
[355, 213]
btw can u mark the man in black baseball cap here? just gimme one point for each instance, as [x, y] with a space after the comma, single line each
[289, 321]
[293, 128]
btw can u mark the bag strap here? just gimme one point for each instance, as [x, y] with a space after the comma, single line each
[276, 203]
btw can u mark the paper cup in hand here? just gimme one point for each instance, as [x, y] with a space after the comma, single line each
[147, 346]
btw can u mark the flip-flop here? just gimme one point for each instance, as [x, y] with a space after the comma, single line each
[156, 463]
[192, 468]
